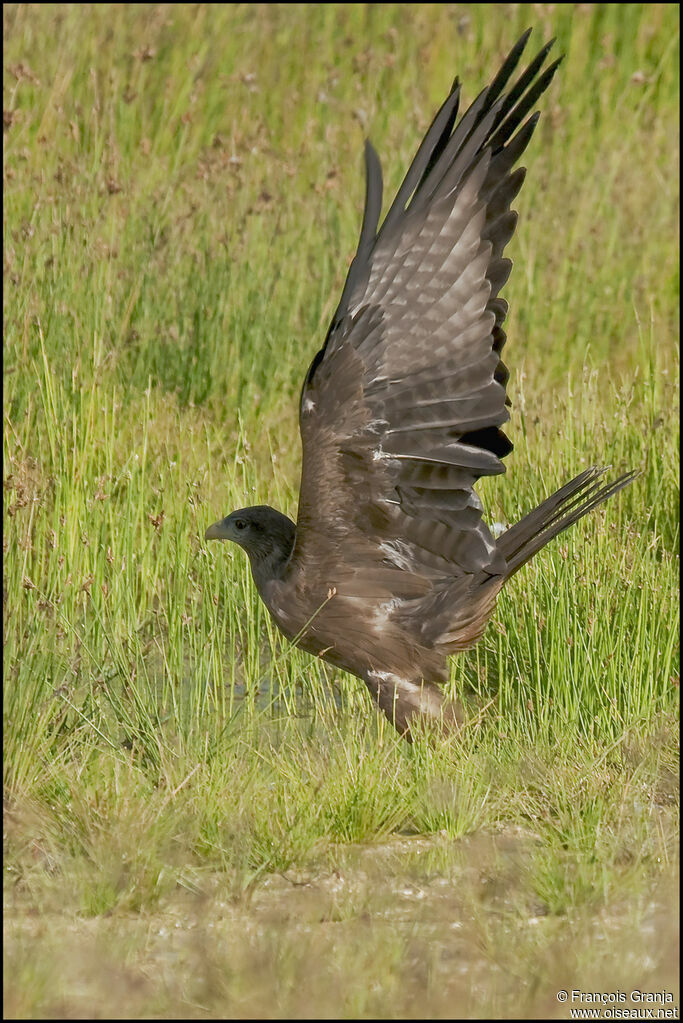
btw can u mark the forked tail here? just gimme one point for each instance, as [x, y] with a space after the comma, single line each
[565, 507]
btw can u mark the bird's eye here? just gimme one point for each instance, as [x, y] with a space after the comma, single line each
[240, 524]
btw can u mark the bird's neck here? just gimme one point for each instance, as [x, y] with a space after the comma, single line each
[270, 566]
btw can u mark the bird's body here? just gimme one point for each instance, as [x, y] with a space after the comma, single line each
[390, 567]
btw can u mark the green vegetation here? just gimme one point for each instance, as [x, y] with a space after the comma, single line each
[201, 821]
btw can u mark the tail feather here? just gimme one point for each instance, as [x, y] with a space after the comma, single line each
[565, 507]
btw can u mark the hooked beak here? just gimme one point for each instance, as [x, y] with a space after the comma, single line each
[217, 531]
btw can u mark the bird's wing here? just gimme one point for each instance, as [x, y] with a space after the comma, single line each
[401, 409]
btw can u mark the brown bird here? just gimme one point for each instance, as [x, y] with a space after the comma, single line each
[390, 567]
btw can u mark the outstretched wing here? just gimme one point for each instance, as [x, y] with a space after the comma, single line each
[401, 409]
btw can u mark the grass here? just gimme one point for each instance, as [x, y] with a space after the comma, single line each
[193, 807]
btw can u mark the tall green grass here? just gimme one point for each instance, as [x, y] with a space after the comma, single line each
[183, 188]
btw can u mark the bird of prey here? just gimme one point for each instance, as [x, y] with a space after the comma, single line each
[390, 567]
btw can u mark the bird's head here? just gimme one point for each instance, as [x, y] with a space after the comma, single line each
[264, 533]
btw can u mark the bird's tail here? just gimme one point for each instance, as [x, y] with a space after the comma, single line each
[565, 507]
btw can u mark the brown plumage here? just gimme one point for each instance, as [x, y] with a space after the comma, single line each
[390, 567]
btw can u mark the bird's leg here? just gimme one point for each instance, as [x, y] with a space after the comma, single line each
[404, 702]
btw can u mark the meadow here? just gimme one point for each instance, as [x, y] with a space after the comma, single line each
[201, 821]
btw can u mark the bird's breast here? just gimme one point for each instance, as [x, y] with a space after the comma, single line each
[354, 633]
